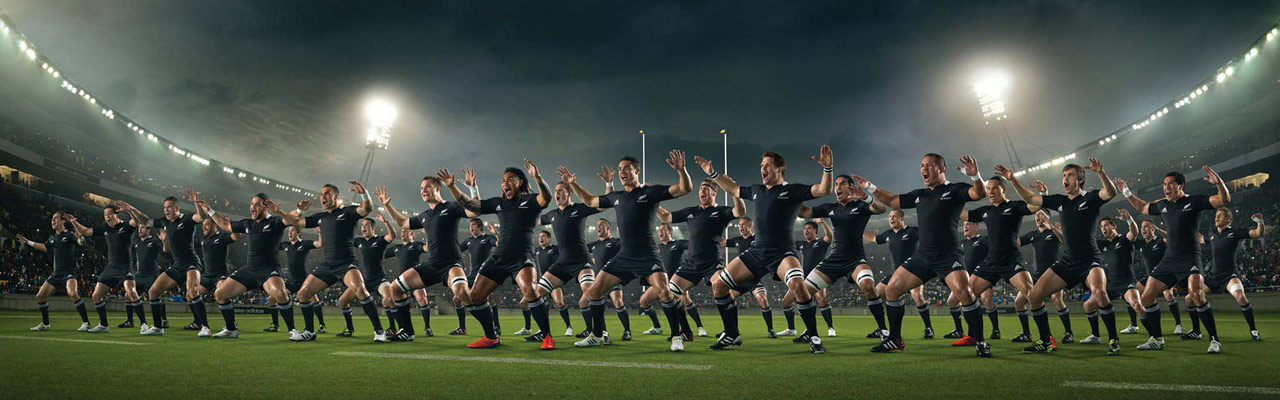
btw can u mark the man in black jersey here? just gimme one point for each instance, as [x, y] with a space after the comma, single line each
[1223, 242]
[812, 250]
[1181, 260]
[1045, 241]
[1152, 246]
[707, 223]
[974, 248]
[518, 209]
[179, 236]
[61, 246]
[902, 241]
[444, 258]
[548, 255]
[603, 249]
[544, 254]
[373, 248]
[408, 253]
[295, 250]
[636, 205]
[261, 269]
[573, 260]
[214, 246]
[938, 207]
[773, 252]
[114, 275]
[670, 252]
[337, 226]
[1003, 260]
[1117, 264]
[746, 237]
[1082, 261]
[479, 247]
[146, 251]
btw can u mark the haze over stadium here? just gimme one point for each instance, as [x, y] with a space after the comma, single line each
[126, 103]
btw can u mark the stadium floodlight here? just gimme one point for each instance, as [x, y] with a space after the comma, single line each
[381, 115]
[1222, 76]
[991, 87]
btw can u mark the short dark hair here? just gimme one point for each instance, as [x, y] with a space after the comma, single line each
[524, 181]
[1079, 171]
[1107, 219]
[170, 198]
[262, 196]
[938, 157]
[999, 179]
[366, 219]
[544, 232]
[899, 211]
[606, 222]
[811, 223]
[477, 220]
[328, 186]
[1177, 177]
[110, 207]
[845, 176]
[778, 160]
[434, 180]
[666, 224]
[745, 219]
[712, 183]
[630, 159]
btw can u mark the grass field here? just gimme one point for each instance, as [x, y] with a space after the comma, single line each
[63, 363]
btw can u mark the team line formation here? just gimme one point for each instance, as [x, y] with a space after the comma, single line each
[668, 269]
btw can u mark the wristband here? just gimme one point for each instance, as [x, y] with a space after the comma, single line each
[869, 187]
[713, 175]
[1126, 192]
[608, 186]
[475, 191]
[31, 243]
[1257, 220]
[827, 170]
[212, 213]
[977, 176]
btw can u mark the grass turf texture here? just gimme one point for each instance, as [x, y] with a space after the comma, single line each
[267, 365]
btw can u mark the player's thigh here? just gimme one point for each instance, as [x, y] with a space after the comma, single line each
[230, 289]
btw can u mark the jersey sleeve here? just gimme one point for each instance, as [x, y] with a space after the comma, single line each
[1095, 198]
[283, 246]
[960, 192]
[309, 244]
[1054, 201]
[681, 215]
[746, 192]
[732, 242]
[1153, 208]
[977, 214]
[1021, 208]
[416, 222]
[277, 223]
[240, 226]
[389, 252]
[311, 221]
[802, 191]
[606, 200]
[157, 223]
[908, 200]
[463, 245]
[1027, 238]
[1201, 202]
[490, 205]
[586, 210]
[544, 219]
[883, 237]
[821, 210]
[660, 192]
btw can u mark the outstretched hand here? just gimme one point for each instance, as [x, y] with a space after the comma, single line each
[1095, 165]
[1004, 172]
[824, 158]
[606, 174]
[530, 168]
[566, 176]
[676, 159]
[1121, 185]
[445, 177]
[1211, 176]
[706, 165]
[1040, 186]
[381, 193]
[968, 165]
[304, 204]
[357, 187]
[468, 176]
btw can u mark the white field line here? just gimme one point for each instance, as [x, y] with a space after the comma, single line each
[73, 340]
[511, 360]
[1172, 388]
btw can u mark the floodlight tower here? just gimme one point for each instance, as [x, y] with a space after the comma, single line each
[380, 115]
[991, 88]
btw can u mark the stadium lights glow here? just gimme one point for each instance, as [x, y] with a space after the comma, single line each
[990, 88]
[381, 115]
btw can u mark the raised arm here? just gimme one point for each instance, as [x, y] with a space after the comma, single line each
[723, 181]
[676, 160]
[868, 237]
[319, 242]
[391, 230]
[1259, 230]
[826, 230]
[366, 206]
[1132, 234]
[194, 198]
[587, 198]
[1223, 198]
[293, 218]
[1032, 198]
[138, 218]
[400, 220]
[80, 229]
[1108, 191]
[805, 212]
[34, 244]
[1057, 232]
[739, 206]
[969, 166]
[544, 193]
[664, 216]
[223, 223]
[449, 182]
[1137, 203]
[826, 160]
[882, 196]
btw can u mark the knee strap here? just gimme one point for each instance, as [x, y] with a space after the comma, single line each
[794, 273]
[675, 289]
[815, 282]
[545, 284]
[727, 279]
[404, 286]
[457, 280]
[865, 275]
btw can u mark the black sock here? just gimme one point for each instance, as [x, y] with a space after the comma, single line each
[973, 317]
[895, 310]
[403, 319]
[587, 319]
[729, 314]
[202, 312]
[877, 311]
[826, 315]
[164, 313]
[1065, 316]
[317, 309]
[653, 317]
[767, 314]
[1109, 320]
[128, 311]
[955, 317]
[426, 317]
[1153, 321]
[692, 310]
[229, 315]
[346, 314]
[538, 311]
[286, 310]
[672, 311]
[1133, 315]
[393, 314]
[1173, 309]
[1210, 326]
[497, 325]
[681, 311]
[1022, 319]
[564, 314]
[526, 313]
[1247, 309]
[101, 308]
[1195, 318]
[157, 313]
[1093, 323]
[924, 315]
[994, 316]
[1042, 323]
[142, 313]
[462, 317]
[624, 316]
[84, 314]
[809, 316]
[308, 316]
[597, 317]
[790, 314]
[44, 312]
[275, 316]
[371, 310]
[484, 314]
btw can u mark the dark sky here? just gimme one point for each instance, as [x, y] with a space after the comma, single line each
[276, 87]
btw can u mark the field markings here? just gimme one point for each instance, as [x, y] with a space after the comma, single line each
[74, 340]
[1173, 388]
[512, 360]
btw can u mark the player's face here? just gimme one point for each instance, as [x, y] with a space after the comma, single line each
[809, 232]
[109, 215]
[406, 236]
[628, 173]
[544, 239]
[706, 195]
[844, 190]
[171, 209]
[602, 229]
[664, 233]
[1108, 228]
[257, 208]
[207, 226]
[562, 194]
[366, 228]
[1042, 218]
[1172, 189]
[897, 220]
[56, 222]
[931, 171]
[510, 185]
[430, 191]
[970, 229]
[1071, 179]
[144, 231]
[476, 228]
[744, 228]
[1148, 229]
[328, 198]
[1222, 219]
[995, 191]
[294, 235]
[770, 173]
